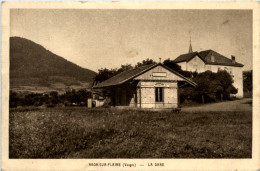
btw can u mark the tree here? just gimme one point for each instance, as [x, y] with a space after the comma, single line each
[187, 93]
[125, 67]
[13, 99]
[207, 85]
[169, 63]
[248, 81]
[172, 65]
[145, 62]
[104, 74]
[83, 95]
[226, 81]
[213, 86]
[54, 97]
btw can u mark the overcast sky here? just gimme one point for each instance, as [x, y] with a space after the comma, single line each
[97, 39]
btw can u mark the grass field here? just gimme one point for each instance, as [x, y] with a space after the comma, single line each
[114, 133]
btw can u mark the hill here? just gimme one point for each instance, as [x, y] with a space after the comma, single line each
[32, 67]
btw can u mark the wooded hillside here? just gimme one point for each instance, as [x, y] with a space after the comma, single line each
[32, 64]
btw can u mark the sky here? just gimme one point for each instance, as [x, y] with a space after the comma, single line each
[101, 38]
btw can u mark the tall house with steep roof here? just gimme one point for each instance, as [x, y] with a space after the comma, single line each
[213, 61]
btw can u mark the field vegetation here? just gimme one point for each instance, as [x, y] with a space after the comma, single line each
[51, 99]
[80, 132]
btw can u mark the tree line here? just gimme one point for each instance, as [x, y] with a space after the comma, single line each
[210, 87]
[51, 99]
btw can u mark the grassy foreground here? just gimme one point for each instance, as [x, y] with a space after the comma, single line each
[111, 133]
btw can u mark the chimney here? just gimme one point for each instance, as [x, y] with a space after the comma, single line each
[233, 59]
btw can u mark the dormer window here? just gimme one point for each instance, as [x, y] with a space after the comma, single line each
[212, 59]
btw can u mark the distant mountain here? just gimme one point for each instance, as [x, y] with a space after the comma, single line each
[33, 65]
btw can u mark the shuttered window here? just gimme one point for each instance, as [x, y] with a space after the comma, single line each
[159, 94]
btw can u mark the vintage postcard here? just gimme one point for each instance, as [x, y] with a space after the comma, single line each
[130, 86]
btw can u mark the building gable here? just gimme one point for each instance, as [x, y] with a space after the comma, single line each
[195, 64]
[196, 59]
[159, 73]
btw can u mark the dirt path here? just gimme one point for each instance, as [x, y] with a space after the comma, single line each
[237, 105]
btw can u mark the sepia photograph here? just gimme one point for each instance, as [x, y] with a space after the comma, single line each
[99, 83]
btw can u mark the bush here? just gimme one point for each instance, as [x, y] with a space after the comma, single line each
[13, 104]
[187, 93]
[50, 100]
[50, 105]
[107, 102]
[38, 103]
[210, 87]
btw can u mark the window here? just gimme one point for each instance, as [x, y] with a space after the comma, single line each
[212, 58]
[159, 94]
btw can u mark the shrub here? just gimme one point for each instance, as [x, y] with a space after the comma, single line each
[210, 87]
[52, 99]
[50, 105]
[38, 103]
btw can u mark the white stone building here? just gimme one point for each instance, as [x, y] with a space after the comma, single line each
[213, 61]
